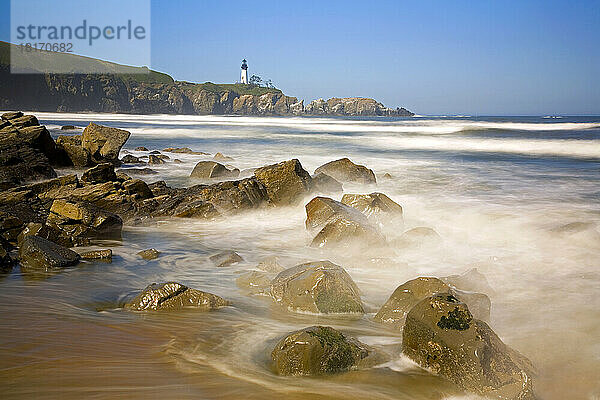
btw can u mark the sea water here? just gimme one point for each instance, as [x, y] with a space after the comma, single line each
[499, 191]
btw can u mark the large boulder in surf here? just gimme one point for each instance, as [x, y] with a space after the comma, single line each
[212, 170]
[326, 184]
[320, 350]
[286, 182]
[79, 156]
[418, 237]
[171, 296]
[39, 254]
[410, 293]
[345, 170]
[442, 336]
[103, 142]
[376, 206]
[80, 221]
[317, 287]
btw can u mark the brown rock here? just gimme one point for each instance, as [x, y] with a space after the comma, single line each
[149, 254]
[103, 142]
[212, 170]
[345, 170]
[101, 173]
[172, 296]
[226, 258]
[286, 182]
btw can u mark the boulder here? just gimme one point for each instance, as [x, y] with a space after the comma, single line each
[441, 335]
[173, 296]
[317, 287]
[129, 159]
[140, 171]
[154, 159]
[101, 173]
[471, 280]
[410, 293]
[286, 182]
[345, 170]
[67, 127]
[418, 237]
[39, 254]
[376, 206]
[50, 233]
[137, 188]
[322, 210]
[326, 184]
[149, 254]
[11, 115]
[80, 220]
[104, 143]
[225, 258]
[10, 227]
[319, 350]
[79, 156]
[212, 170]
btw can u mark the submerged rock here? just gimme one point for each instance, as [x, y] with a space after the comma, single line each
[67, 127]
[410, 293]
[41, 254]
[286, 182]
[270, 264]
[172, 296]
[221, 157]
[104, 143]
[317, 287]
[184, 150]
[441, 335]
[102, 255]
[471, 280]
[212, 170]
[154, 159]
[141, 148]
[149, 254]
[326, 184]
[129, 159]
[225, 258]
[417, 237]
[253, 281]
[319, 350]
[345, 170]
[376, 206]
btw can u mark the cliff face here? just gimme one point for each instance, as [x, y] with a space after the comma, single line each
[156, 93]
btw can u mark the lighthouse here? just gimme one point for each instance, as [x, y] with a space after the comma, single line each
[244, 78]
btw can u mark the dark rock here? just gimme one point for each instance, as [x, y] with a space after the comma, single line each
[286, 182]
[10, 227]
[99, 174]
[376, 206]
[141, 148]
[102, 255]
[196, 209]
[24, 121]
[129, 159]
[155, 152]
[79, 156]
[48, 232]
[163, 156]
[177, 161]
[345, 170]
[410, 293]
[140, 171]
[212, 170]
[173, 296]
[441, 335]
[40, 254]
[154, 159]
[318, 287]
[149, 254]
[184, 150]
[225, 258]
[6, 261]
[221, 157]
[137, 188]
[12, 115]
[326, 184]
[80, 220]
[319, 350]
[67, 127]
[103, 142]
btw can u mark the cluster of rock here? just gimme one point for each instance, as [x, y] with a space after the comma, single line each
[353, 106]
[441, 321]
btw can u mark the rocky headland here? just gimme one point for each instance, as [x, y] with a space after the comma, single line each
[44, 218]
[142, 91]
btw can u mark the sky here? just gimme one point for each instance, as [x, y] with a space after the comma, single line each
[432, 57]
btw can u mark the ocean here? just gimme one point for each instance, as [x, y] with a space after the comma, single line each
[500, 191]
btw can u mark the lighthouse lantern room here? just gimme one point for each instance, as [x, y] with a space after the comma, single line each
[244, 78]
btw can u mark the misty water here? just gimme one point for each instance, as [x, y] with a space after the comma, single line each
[498, 190]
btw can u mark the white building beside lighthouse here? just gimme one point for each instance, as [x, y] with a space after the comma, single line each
[244, 78]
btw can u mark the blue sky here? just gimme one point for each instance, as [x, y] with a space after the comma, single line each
[432, 57]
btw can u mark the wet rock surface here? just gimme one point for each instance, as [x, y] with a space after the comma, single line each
[172, 296]
[345, 170]
[286, 182]
[225, 258]
[40, 254]
[441, 334]
[376, 206]
[254, 282]
[103, 142]
[326, 184]
[318, 350]
[410, 293]
[102, 255]
[318, 287]
[212, 170]
[149, 254]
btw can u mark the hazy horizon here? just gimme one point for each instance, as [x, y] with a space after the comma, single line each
[505, 59]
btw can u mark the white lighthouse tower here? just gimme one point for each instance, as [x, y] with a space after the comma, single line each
[244, 78]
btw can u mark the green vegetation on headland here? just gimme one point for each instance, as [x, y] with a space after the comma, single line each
[115, 88]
